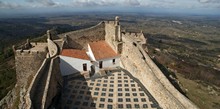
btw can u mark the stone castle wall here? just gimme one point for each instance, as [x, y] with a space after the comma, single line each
[136, 37]
[45, 86]
[27, 64]
[110, 32]
[78, 39]
[32, 90]
[113, 35]
[136, 61]
[53, 84]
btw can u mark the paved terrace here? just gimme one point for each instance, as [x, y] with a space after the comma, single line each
[118, 89]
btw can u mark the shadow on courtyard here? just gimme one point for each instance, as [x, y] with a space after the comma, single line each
[116, 89]
[76, 93]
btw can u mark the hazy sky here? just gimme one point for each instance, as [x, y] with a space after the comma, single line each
[177, 6]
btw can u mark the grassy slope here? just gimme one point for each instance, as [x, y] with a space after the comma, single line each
[200, 93]
[7, 76]
[192, 56]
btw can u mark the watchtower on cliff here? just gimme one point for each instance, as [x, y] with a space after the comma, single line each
[113, 34]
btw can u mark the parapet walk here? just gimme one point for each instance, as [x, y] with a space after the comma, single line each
[45, 85]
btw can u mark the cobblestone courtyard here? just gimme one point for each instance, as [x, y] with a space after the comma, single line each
[113, 91]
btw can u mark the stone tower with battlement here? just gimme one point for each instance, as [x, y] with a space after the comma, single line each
[113, 34]
[28, 59]
[30, 56]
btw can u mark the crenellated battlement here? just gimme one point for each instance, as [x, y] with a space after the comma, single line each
[110, 22]
[132, 34]
[82, 32]
[27, 52]
[135, 36]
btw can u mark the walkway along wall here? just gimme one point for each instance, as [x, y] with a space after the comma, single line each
[32, 91]
[78, 39]
[45, 85]
[53, 84]
[136, 61]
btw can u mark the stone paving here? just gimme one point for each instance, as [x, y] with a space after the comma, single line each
[114, 91]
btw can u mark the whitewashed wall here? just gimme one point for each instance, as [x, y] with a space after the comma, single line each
[70, 65]
[107, 63]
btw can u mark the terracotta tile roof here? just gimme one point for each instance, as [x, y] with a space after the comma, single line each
[81, 54]
[102, 50]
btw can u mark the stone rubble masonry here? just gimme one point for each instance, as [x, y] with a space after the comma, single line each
[9, 99]
[27, 64]
[110, 32]
[113, 35]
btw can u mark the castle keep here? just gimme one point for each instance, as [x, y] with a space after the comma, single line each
[97, 67]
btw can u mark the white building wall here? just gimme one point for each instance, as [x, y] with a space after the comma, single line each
[106, 63]
[109, 62]
[70, 65]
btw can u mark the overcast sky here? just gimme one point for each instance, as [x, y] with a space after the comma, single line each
[179, 6]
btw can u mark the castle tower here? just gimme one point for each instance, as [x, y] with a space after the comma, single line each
[117, 30]
[113, 34]
[118, 36]
[117, 20]
[48, 34]
[28, 59]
